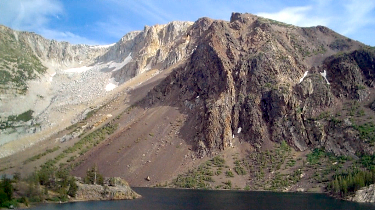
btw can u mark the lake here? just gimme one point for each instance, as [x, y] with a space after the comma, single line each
[160, 198]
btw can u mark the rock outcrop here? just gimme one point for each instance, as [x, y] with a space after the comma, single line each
[119, 191]
[158, 46]
[275, 81]
[365, 195]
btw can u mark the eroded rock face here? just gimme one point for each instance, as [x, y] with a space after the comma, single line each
[365, 195]
[121, 191]
[248, 73]
[158, 46]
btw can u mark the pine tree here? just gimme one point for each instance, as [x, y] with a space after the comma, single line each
[7, 188]
[336, 186]
[72, 188]
[344, 188]
[93, 177]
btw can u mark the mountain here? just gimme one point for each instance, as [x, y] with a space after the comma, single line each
[260, 80]
[249, 85]
[269, 100]
[45, 79]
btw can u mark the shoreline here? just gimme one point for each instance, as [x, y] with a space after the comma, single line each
[34, 205]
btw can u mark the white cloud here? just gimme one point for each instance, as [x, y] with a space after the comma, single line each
[35, 15]
[358, 15]
[28, 14]
[298, 16]
[347, 17]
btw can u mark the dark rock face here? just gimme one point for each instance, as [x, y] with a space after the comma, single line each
[372, 106]
[351, 73]
[246, 74]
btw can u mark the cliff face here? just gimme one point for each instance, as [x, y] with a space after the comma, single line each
[158, 46]
[259, 80]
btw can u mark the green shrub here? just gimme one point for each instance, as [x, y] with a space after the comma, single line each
[38, 156]
[366, 131]
[26, 116]
[228, 184]
[314, 157]
[229, 174]
[239, 170]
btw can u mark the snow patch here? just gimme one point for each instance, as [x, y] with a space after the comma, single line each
[304, 75]
[51, 77]
[78, 70]
[118, 66]
[102, 46]
[233, 136]
[111, 85]
[147, 67]
[239, 130]
[324, 74]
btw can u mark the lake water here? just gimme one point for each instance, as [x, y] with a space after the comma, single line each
[159, 198]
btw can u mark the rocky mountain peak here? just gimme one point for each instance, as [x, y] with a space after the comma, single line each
[272, 80]
[242, 17]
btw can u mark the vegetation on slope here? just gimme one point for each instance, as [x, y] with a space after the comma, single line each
[18, 64]
[280, 169]
[49, 183]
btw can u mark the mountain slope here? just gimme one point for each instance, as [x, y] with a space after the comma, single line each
[252, 91]
[247, 74]
[60, 81]
[250, 85]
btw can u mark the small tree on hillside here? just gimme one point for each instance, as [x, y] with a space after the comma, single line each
[73, 188]
[6, 187]
[93, 177]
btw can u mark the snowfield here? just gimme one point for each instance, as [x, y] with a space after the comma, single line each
[118, 66]
[102, 46]
[78, 70]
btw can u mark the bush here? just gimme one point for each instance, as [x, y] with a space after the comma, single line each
[315, 156]
[6, 187]
[239, 170]
[6, 192]
[366, 131]
[218, 161]
[26, 116]
[229, 174]
[228, 184]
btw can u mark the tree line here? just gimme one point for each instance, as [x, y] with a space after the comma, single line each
[349, 182]
[37, 186]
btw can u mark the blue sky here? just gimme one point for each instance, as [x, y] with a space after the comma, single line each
[104, 22]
